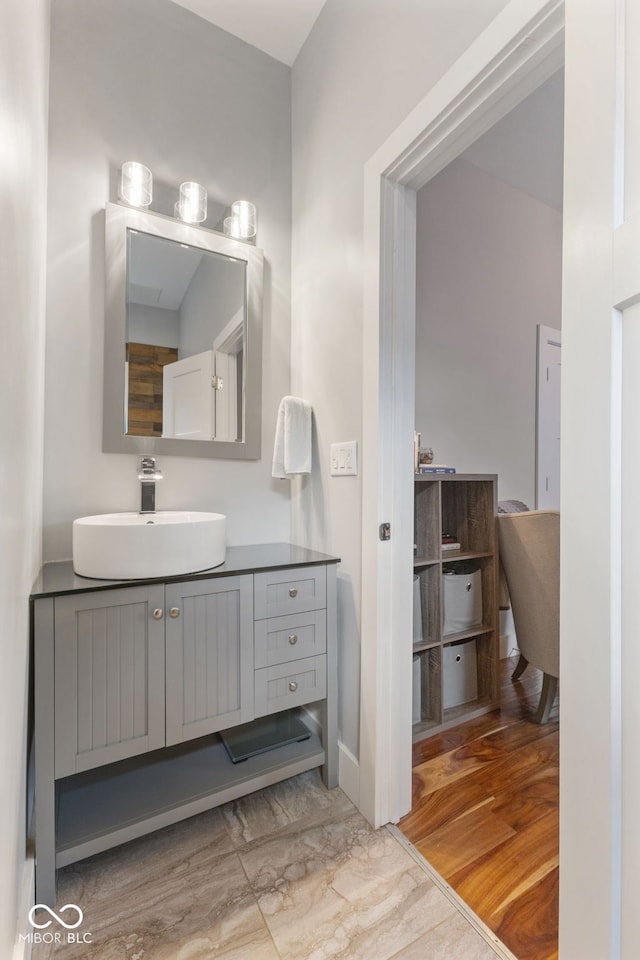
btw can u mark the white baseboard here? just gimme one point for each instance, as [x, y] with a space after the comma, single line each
[508, 648]
[349, 774]
[348, 766]
[26, 899]
[508, 638]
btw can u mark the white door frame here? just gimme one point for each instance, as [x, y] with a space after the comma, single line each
[519, 50]
[228, 417]
[548, 358]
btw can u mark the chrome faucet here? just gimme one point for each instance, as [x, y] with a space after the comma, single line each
[147, 475]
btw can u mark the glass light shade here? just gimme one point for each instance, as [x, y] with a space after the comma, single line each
[232, 227]
[192, 205]
[136, 184]
[246, 214]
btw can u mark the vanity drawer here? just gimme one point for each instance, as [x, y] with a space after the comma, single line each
[283, 639]
[279, 592]
[290, 685]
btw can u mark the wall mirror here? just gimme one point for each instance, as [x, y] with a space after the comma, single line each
[183, 339]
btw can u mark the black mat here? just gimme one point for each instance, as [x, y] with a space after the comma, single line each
[267, 733]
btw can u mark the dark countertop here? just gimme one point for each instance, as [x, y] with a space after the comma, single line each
[57, 579]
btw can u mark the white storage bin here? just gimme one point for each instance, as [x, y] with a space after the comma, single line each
[417, 689]
[461, 599]
[417, 611]
[460, 673]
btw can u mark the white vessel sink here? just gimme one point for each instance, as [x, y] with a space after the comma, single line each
[133, 546]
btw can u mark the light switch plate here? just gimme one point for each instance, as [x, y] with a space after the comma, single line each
[344, 459]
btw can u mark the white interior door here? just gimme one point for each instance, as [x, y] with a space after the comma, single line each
[187, 397]
[626, 297]
[600, 521]
[549, 349]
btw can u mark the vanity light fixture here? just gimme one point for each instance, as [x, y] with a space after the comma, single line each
[245, 213]
[192, 205]
[136, 184]
[232, 227]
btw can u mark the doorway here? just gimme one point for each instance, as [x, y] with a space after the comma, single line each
[489, 268]
[517, 53]
[469, 100]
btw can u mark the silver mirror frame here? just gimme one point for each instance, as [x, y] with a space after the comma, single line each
[119, 219]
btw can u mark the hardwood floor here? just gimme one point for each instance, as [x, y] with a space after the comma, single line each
[485, 815]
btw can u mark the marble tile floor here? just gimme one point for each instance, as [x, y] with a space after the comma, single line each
[292, 872]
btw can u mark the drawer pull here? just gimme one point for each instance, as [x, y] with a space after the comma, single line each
[293, 591]
[157, 614]
[293, 639]
[293, 686]
[174, 612]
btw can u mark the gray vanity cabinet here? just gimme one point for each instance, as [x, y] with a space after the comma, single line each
[109, 677]
[135, 683]
[209, 656]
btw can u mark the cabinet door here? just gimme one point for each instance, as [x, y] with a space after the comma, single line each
[109, 677]
[209, 656]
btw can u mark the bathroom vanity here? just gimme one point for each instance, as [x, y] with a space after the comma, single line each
[136, 683]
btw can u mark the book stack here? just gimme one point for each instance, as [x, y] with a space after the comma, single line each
[449, 543]
[435, 468]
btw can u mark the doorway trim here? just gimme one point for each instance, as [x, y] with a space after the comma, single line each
[520, 49]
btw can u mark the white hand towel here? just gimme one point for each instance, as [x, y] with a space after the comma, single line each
[292, 447]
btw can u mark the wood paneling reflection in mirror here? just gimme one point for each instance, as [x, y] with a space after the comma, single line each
[144, 406]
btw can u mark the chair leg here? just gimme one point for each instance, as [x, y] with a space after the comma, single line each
[548, 695]
[521, 666]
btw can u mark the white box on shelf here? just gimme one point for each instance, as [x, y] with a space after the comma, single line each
[417, 610]
[460, 673]
[417, 689]
[462, 600]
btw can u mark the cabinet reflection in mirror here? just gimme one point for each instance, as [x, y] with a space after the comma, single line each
[183, 339]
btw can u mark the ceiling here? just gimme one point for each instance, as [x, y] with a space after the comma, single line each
[278, 27]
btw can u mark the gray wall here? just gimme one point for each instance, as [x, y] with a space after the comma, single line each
[151, 81]
[153, 325]
[24, 61]
[213, 298]
[366, 64]
[489, 263]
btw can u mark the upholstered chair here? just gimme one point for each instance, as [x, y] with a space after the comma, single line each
[530, 556]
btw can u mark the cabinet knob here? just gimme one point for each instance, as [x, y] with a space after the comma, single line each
[293, 686]
[157, 614]
[174, 612]
[293, 638]
[293, 591]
